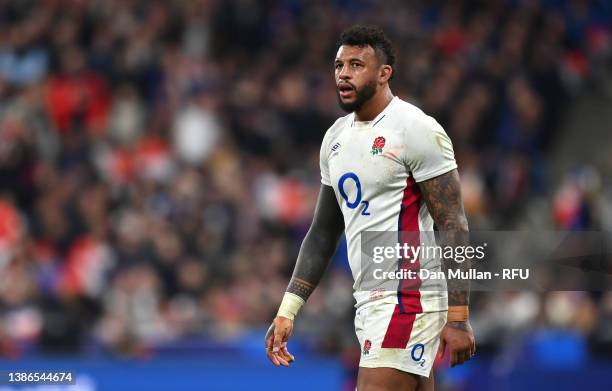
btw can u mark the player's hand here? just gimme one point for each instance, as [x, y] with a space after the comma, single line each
[276, 341]
[458, 337]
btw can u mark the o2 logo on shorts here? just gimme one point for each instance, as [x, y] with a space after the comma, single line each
[357, 201]
[417, 354]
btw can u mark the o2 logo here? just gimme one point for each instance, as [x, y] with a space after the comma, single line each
[351, 176]
[417, 353]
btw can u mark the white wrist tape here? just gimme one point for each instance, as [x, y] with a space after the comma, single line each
[290, 305]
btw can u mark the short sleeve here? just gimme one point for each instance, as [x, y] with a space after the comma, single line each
[429, 150]
[323, 161]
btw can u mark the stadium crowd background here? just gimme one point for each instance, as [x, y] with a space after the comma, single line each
[159, 160]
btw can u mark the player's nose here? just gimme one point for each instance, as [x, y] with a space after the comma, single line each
[344, 73]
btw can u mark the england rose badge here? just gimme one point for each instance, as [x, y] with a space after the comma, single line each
[378, 145]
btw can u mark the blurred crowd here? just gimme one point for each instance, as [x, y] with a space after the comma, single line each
[159, 159]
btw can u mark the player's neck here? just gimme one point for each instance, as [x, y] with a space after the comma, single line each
[374, 106]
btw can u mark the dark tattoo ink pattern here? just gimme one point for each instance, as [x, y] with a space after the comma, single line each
[464, 326]
[319, 244]
[300, 287]
[443, 198]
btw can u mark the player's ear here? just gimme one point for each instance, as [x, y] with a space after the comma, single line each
[385, 73]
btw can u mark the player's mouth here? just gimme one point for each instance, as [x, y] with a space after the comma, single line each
[345, 90]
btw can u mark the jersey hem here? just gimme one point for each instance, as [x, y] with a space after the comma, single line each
[436, 173]
[402, 368]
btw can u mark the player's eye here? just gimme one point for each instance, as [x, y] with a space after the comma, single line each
[338, 66]
[356, 65]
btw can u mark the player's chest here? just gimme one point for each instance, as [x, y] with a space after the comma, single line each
[371, 158]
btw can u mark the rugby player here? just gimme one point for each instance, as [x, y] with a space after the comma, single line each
[386, 166]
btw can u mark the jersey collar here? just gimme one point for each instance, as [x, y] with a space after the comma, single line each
[360, 124]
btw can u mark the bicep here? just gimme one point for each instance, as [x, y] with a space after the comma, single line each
[442, 195]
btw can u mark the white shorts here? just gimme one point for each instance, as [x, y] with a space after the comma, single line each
[408, 342]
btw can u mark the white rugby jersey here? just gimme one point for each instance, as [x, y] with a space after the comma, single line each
[374, 168]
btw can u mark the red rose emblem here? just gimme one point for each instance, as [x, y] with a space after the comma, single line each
[379, 143]
[366, 346]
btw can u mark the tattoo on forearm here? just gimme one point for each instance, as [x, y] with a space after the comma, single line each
[300, 287]
[459, 325]
[443, 197]
[318, 246]
[313, 259]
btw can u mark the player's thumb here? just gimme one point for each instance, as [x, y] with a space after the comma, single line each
[278, 339]
[441, 348]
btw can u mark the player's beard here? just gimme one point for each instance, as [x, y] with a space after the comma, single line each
[362, 96]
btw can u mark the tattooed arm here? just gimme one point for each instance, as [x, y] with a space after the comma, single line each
[317, 249]
[318, 246]
[442, 195]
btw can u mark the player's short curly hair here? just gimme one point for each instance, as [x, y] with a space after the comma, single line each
[374, 36]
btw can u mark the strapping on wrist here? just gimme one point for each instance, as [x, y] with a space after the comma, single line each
[290, 306]
[458, 313]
